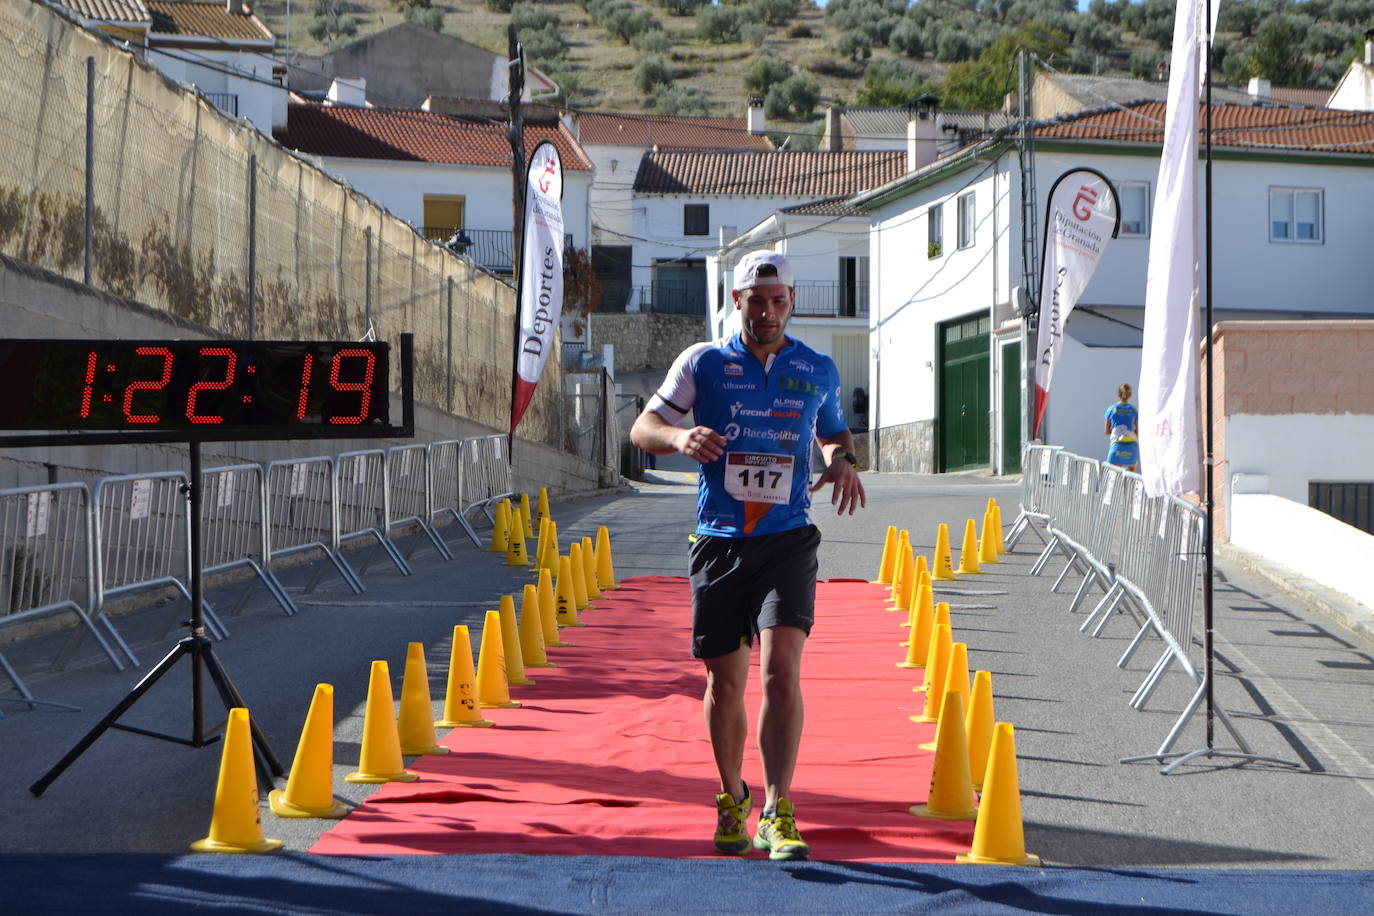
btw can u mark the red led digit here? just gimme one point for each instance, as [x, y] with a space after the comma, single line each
[198, 387]
[90, 380]
[148, 385]
[305, 385]
[364, 386]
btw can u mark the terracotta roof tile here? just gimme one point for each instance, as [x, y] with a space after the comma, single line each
[831, 206]
[108, 10]
[213, 20]
[416, 136]
[668, 132]
[1233, 126]
[782, 173]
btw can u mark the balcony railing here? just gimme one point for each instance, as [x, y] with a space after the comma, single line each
[227, 102]
[491, 249]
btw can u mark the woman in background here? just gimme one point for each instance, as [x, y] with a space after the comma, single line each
[1123, 425]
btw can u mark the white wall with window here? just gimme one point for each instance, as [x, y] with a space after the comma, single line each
[254, 95]
[1295, 215]
[661, 237]
[911, 296]
[484, 192]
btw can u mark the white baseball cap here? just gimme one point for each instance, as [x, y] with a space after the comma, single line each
[747, 270]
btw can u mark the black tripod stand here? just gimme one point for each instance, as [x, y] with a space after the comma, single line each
[196, 646]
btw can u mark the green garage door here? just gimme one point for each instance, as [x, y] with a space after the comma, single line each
[1011, 408]
[964, 397]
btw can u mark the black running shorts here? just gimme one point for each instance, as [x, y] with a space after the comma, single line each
[741, 586]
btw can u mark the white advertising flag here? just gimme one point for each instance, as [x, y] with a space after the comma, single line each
[1170, 444]
[541, 275]
[1082, 215]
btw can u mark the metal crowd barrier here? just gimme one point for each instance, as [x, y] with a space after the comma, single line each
[1037, 465]
[233, 530]
[301, 508]
[1144, 552]
[46, 568]
[361, 488]
[143, 531]
[408, 489]
[69, 548]
[484, 478]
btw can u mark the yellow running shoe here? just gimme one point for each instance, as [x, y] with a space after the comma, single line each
[778, 834]
[731, 830]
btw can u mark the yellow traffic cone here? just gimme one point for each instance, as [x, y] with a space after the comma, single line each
[564, 596]
[549, 560]
[940, 616]
[415, 725]
[460, 699]
[978, 724]
[235, 825]
[922, 625]
[968, 553]
[532, 631]
[951, 789]
[309, 788]
[380, 757]
[902, 582]
[589, 570]
[578, 574]
[548, 611]
[885, 566]
[922, 567]
[605, 565]
[956, 680]
[515, 544]
[510, 644]
[987, 541]
[526, 524]
[542, 507]
[997, 528]
[943, 564]
[923, 595]
[500, 528]
[913, 658]
[999, 836]
[492, 690]
[539, 546]
[937, 667]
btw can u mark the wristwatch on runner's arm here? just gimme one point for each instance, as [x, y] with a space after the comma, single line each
[842, 454]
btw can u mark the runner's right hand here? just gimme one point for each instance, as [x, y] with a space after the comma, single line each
[700, 443]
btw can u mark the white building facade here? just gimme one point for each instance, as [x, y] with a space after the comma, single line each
[1291, 225]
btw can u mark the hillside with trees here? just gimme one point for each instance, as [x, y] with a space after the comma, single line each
[691, 57]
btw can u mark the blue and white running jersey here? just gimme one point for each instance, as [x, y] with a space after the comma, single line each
[768, 416]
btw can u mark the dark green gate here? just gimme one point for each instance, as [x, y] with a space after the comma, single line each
[964, 394]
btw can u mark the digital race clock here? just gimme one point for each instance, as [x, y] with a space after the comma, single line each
[198, 389]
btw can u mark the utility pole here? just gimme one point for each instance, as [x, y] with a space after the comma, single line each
[1030, 249]
[516, 135]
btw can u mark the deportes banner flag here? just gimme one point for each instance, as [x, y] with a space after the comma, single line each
[540, 292]
[1081, 217]
[1170, 442]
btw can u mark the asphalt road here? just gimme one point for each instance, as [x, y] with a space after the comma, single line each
[1297, 686]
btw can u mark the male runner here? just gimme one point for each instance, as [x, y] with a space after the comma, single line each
[759, 398]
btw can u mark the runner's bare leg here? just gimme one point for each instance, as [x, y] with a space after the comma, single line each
[780, 718]
[726, 720]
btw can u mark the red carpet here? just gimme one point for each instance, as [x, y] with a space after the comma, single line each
[608, 755]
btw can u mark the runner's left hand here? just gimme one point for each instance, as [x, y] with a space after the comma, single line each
[848, 492]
